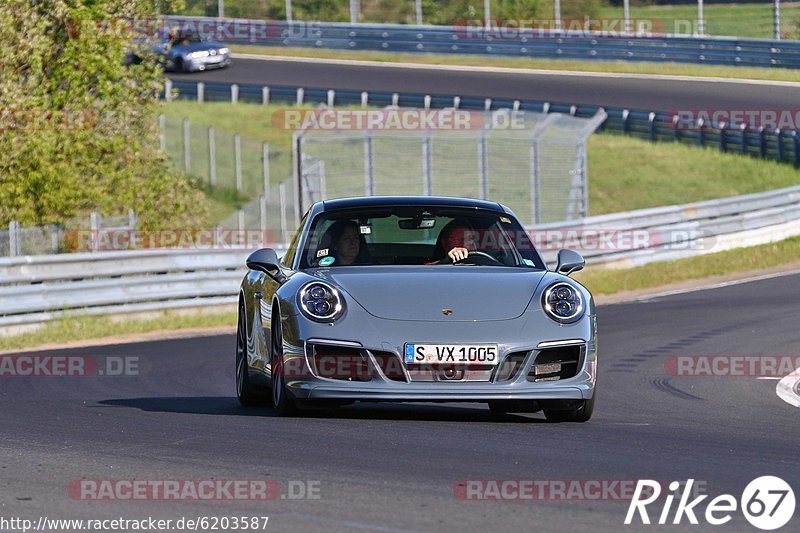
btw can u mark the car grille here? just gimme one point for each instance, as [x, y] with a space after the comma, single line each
[510, 367]
[554, 364]
[336, 362]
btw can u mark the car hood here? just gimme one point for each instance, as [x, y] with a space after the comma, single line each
[198, 46]
[425, 293]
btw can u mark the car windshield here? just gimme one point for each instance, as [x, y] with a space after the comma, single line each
[418, 236]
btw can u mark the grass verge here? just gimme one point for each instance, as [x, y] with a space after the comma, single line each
[694, 268]
[98, 327]
[466, 60]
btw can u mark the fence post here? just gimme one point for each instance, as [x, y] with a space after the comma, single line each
[427, 165]
[284, 230]
[265, 167]
[652, 124]
[779, 141]
[234, 93]
[331, 97]
[369, 166]
[483, 166]
[625, 114]
[265, 95]
[131, 218]
[795, 148]
[364, 98]
[743, 145]
[301, 95]
[212, 157]
[94, 226]
[701, 132]
[262, 218]
[723, 138]
[240, 221]
[162, 135]
[187, 158]
[201, 92]
[297, 173]
[13, 239]
[168, 90]
[237, 151]
[762, 137]
[535, 167]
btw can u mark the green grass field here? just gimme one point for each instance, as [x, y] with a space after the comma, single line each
[624, 173]
[739, 20]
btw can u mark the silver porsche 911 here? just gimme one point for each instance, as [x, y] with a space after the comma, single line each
[416, 299]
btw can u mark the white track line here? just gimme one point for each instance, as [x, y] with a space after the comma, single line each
[508, 70]
[787, 388]
[649, 297]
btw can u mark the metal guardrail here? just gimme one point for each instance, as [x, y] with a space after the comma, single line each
[36, 289]
[780, 145]
[548, 44]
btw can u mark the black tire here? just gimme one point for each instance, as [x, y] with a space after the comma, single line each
[281, 402]
[498, 409]
[180, 66]
[246, 392]
[582, 414]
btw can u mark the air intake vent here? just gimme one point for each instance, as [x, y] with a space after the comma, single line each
[554, 364]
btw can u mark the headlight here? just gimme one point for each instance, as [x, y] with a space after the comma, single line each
[201, 53]
[223, 51]
[563, 302]
[321, 302]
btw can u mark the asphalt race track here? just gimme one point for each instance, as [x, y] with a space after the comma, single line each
[633, 93]
[383, 467]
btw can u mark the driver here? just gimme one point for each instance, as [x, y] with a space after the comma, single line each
[347, 243]
[455, 242]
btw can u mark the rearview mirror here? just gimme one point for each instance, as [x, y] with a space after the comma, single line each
[569, 261]
[264, 260]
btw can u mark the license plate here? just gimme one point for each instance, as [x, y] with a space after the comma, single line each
[449, 354]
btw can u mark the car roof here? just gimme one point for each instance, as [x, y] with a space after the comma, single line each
[394, 201]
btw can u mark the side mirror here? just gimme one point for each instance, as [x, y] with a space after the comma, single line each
[569, 261]
[265, 260]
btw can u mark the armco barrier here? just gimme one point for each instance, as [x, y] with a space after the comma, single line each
[35, 289]
[579, 45]
[781, 145]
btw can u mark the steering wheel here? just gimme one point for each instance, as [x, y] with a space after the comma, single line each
[483, 259]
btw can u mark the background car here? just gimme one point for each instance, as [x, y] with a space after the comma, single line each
[368, 304]
[185, 51]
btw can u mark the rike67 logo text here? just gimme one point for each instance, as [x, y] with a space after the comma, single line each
[767, 503]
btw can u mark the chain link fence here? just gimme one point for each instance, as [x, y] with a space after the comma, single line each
[221, 159]
[76, 234]
[538, 170]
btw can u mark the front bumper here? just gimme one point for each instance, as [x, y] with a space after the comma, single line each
[306, 385]
[208, 63]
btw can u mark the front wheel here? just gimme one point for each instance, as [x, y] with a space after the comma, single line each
[245, 390]
[581, 413]
[281, 402]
